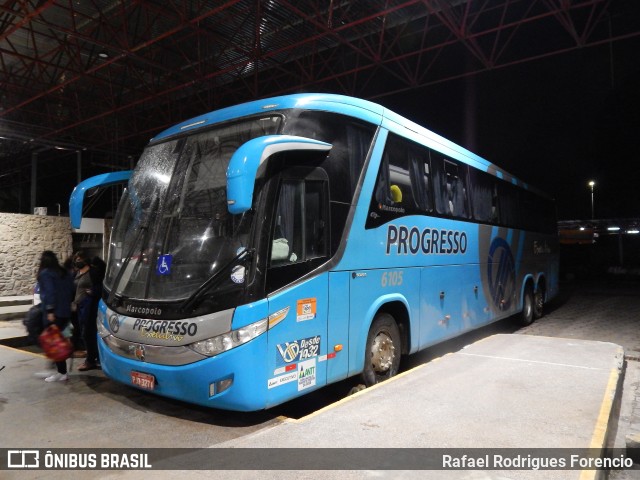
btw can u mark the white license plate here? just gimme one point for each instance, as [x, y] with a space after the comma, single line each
[143, 380]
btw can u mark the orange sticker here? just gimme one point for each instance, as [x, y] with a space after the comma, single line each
[306, 309]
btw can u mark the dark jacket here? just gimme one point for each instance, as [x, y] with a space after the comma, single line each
[56, 292]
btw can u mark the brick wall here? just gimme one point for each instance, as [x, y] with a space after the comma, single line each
[23, 238]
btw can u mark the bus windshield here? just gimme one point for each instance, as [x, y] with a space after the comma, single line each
[173, 230]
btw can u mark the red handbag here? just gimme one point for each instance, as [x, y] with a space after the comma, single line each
[56, 347]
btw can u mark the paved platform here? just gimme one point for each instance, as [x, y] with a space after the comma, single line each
[554, 384]
[505, 391]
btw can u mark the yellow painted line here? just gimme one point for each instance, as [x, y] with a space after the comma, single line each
[599, 436]
[352, 396]
[364, 391]
[39, 355]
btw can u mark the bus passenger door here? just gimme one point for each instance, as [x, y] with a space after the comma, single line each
[298, 300]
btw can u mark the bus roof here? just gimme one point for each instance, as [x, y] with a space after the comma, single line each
[351, 106]
[355, 107]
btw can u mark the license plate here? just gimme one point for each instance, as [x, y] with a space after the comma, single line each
[143, 380]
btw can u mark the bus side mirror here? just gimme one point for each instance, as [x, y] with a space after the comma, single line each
[88, 188]
[243, 166]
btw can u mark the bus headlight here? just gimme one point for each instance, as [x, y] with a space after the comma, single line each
[102, 330]
[227, 341]
[221, 343]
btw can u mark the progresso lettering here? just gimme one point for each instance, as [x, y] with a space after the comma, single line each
[402, 240]
[166, 327]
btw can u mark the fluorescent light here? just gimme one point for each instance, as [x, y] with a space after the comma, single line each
[613, 229]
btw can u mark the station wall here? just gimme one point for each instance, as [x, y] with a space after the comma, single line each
[23, 238]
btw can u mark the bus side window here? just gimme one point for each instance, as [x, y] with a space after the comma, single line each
[301, 230]
[484, 196]
[450, 188]
[287, 231]
[397, 180]
[509, 203]
[421, 178]
[316, 238]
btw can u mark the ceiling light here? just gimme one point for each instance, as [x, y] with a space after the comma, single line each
[103, 55]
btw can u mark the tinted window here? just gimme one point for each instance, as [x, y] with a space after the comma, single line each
[508, 204]
[450, 187]
[484, 196]
[395, 186]
[413, 179]
[300, 238]
[350, 140]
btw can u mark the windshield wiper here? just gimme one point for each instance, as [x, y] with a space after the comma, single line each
[125, 263]
[213, 280]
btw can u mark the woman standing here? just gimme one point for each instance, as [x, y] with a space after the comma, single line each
[56, 293]
[82, 299]
[96, 272]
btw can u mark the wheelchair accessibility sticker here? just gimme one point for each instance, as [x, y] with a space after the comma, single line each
[164, 265]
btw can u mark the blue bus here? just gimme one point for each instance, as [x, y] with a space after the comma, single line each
[262, 251]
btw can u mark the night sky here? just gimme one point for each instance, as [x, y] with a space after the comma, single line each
[555, 123]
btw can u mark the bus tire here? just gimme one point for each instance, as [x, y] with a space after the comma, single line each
[383, 350]
[526, 317]
[538, 304]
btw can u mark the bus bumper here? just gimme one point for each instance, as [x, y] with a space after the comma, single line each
[199, 382]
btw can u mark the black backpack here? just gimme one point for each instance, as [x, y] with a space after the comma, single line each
[34, 323]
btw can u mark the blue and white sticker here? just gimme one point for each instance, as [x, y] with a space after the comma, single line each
[237, 274]
[163, 267]
[298, 350]
[282, 379]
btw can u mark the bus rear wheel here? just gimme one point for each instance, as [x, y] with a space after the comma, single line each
[538, 304]
[527, 315]
[383, 350]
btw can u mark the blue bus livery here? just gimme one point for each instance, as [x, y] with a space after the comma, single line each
[264, 250]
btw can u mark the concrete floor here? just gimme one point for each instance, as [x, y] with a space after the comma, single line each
[551, 385]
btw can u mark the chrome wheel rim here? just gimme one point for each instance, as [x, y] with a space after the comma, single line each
[383, 352]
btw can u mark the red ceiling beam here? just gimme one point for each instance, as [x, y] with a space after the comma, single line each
[27, 18]
[365, 66]
[117, 58]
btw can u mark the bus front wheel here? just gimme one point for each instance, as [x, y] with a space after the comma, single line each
[382, 354]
